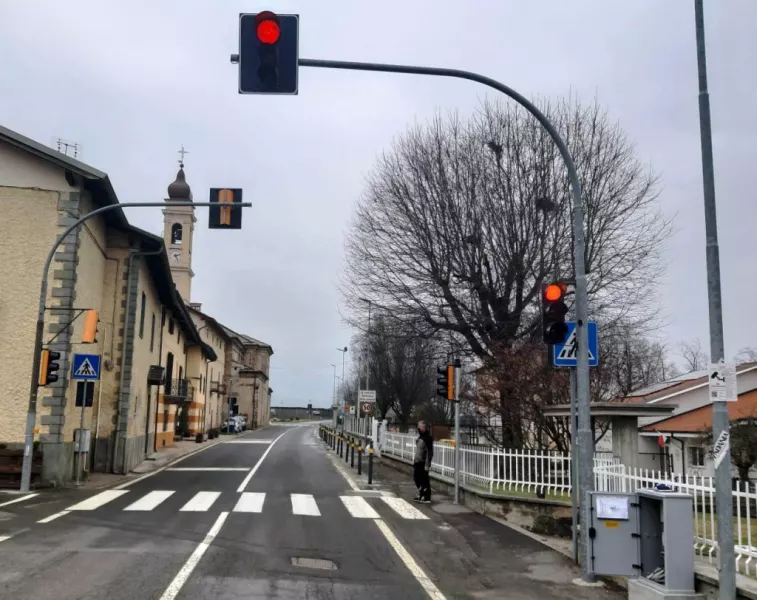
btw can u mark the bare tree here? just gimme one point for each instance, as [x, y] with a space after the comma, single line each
[746, 354]
[694, 358]
[448, 236]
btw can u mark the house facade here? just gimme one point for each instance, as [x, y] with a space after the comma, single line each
[161, 369]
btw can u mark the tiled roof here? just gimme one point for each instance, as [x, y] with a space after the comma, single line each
[700, 419]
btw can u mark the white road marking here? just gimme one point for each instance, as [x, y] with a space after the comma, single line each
[250, 442]
[98, 500]
[184, 573]
[304, 504]
[150, 501]
[21, 499]
[409, 561]
[260, 461]
[208, 469]
[403, 508]
[250, 502]
[5, 537]
[200, 502]
[359, 508]
[53, 517]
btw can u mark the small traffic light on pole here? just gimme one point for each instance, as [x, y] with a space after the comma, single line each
[227, 215]
[553, 311]
[89, 334]
[445, 382]
[268, 53]
[48, 367]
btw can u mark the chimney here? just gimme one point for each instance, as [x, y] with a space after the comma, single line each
[196, 305]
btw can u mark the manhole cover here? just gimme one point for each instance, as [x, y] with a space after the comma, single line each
[314, 563]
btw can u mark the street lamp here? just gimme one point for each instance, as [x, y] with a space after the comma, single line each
[344, 352]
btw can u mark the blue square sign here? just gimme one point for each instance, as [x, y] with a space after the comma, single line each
[86, 367]
[566, 355]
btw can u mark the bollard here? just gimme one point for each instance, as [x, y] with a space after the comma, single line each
[370, 464]
[352, 453]
[339, 443]
[360, 458]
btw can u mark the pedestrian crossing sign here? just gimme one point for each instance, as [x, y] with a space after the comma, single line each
[566, 354]
[86, 367]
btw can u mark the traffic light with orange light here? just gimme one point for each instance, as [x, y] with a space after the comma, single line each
[89, 334]
[268, 53]
[48, 367]
[553, 312]
[226, 215]
[445, 382]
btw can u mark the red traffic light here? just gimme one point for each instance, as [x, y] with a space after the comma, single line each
[554, 292]
[267, 28]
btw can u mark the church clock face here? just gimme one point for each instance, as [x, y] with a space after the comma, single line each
[175, 255]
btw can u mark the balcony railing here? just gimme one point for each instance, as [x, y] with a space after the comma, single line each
[178, 391]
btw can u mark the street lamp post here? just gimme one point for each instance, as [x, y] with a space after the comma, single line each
[344, 352]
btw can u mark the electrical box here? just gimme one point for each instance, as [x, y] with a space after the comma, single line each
[82, 440]
[614, 534]
[647, 537]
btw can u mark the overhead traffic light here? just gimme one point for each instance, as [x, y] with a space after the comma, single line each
[89, 334]
[553, 311]
[268, 53]
[445, 382]
[48, 367]
[226, 215]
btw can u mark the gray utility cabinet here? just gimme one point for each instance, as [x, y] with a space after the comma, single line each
[646, 536]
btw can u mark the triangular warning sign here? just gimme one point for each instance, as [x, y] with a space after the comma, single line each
[570, 348]
[85, 369]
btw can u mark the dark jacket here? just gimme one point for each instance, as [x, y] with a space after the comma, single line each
[424, 449]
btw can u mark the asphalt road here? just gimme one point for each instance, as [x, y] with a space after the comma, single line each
[266, 515]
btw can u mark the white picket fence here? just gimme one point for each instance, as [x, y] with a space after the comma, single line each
[523, 471]
[360, 426]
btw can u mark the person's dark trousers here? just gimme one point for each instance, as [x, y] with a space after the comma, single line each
[422, 481]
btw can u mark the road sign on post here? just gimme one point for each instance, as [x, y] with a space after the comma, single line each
[366, 396]
[566, 354]
[366, 408]
[86, 367]
[268, 53]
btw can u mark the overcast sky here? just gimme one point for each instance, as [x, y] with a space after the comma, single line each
[133, 81]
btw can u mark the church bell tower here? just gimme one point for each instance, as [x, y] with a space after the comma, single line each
[178, 231]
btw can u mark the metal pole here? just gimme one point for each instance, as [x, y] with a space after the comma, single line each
[78, 447]
[457, 432]
[368, 352]
[583, 430]
[31, 414]
[720, 421]
[573, 467]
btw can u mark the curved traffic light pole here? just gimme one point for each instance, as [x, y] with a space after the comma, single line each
[584, 438]
[31, 415]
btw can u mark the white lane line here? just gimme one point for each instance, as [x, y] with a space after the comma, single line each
[250, 502]
[5, 537]
[21, 499]
[53, 517]
[250, 442]
[304, 504]
[257, 465]
[184, 573]
[359, 508]
[98, 500]
[200, 502]
[150, 501]
[409, 561]
[403, 508]
[208, 469]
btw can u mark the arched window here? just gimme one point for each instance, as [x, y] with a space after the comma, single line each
[176, 232]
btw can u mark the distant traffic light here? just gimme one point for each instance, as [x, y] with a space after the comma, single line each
[48, 367]
[268, 53]
[89, 334]
[225, 215]
[445, 382]
[553, 311]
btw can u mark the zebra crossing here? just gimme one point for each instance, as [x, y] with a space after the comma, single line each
[305, 505]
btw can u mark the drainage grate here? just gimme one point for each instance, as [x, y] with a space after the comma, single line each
[314, 563]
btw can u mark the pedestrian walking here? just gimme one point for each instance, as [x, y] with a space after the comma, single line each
[424, 454]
